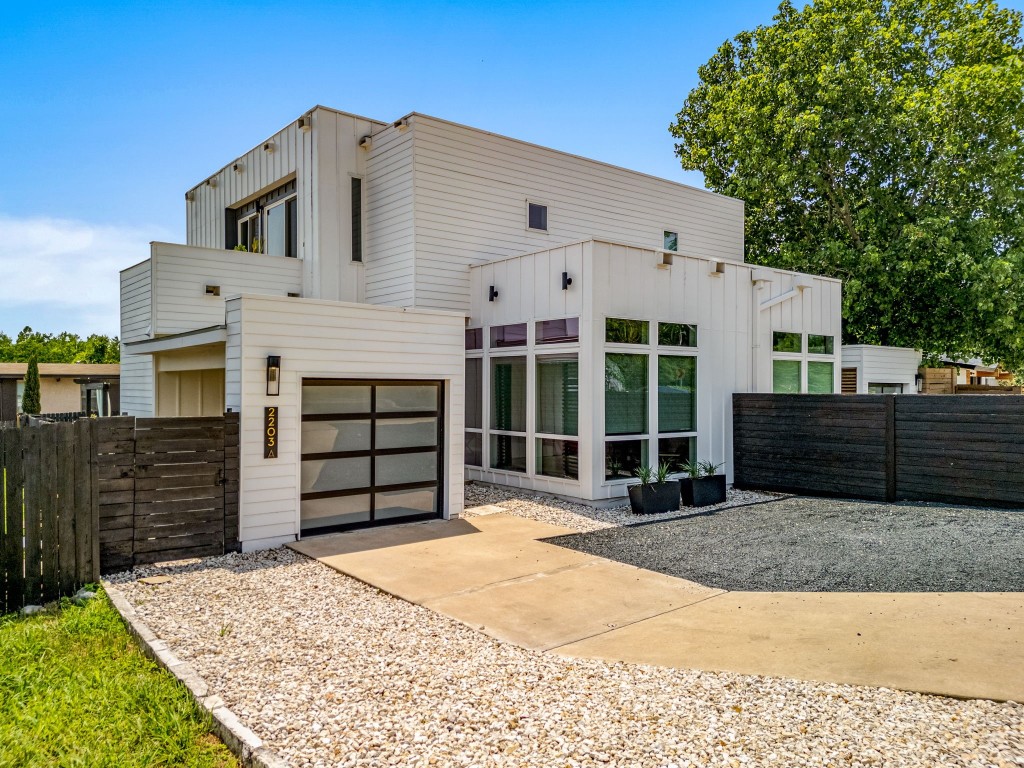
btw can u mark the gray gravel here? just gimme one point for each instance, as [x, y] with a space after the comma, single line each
[827, 545]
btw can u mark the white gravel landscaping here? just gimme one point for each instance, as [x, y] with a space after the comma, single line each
[331, 672]
[547, 509]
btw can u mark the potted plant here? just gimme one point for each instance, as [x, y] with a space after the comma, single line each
[703, 486]
[654, 493]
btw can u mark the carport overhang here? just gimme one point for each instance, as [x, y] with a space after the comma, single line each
[199, 337]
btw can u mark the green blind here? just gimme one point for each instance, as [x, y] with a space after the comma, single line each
[558, 395]
[625, 394]
[677, 393]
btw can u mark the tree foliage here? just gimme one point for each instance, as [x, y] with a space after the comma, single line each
[879, 141]
[62, 348]
[31, 401]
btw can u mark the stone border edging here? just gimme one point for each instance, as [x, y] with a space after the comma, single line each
[246, 745]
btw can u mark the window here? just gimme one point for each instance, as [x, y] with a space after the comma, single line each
[820, 345]
[786, 377]
[249, 234]
[820, 378]
[622, 457]
[625, 394]
[508, 335]
[677, 335]
[537, 217]
[357, 219]
[677, 394]
[557, 395]
[619, 331]
[508, 413]
[474, 338]
[558, 458]
[282, 234]
[474, 411]
[885, 389]
[676, 451]
[787, 342]
[671, 241]
[558, 331]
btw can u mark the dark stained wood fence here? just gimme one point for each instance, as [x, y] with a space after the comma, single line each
[957, 449]
[101, 495]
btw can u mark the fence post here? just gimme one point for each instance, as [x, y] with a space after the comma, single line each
[12, 555]
[890, 448]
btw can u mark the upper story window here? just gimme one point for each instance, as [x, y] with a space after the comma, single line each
[671, 240]
[621, 331]
[537, 217]
[268, 224]
[357, 219]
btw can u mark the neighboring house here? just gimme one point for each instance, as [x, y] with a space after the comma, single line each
[423, 302]
[63, 388]
[874, 370]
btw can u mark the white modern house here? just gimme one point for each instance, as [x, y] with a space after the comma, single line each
[424, 303]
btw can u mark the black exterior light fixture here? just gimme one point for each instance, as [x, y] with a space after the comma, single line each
[566, 281]
[274, 375]
[492, 294]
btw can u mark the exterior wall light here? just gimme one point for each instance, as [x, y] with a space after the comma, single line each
[492, 294]
[273, 375]
[566, 281]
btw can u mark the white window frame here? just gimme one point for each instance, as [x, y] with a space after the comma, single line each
[804, 357]
[264, 229]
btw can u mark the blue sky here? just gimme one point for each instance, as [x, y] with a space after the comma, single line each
[110, 111]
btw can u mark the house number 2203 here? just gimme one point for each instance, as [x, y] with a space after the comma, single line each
[270, 432]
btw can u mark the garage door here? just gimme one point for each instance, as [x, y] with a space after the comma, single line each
[372, 453]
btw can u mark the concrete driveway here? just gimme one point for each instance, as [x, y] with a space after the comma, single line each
[493, 573]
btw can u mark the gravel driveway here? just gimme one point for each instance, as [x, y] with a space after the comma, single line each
[827, 545]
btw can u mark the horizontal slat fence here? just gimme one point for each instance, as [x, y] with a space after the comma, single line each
[101, 495]
[962, 449]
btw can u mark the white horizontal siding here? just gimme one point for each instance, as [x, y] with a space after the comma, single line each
[389, 246]
[883, 365]
[181, 274]
[471, 190]
[136, 323]
[318, 339]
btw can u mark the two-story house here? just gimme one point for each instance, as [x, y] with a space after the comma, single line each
[422, 302]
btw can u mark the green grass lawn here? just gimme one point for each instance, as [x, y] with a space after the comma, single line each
[76, 691]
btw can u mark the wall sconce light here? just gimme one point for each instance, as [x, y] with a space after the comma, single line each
[566, 281]
[492, 294]
[273, 375]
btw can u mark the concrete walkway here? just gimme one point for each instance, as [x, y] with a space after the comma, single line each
[491, 573]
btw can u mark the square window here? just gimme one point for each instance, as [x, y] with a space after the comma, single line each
[671, 241]
[786, 377]
[786, 342]
[558, 458]
[537, 217]
[474, 338]
[820, 377]
[820, 345]
[677, 335]
[676, 451]
[508, 452]
[619, 331]
[622, 457]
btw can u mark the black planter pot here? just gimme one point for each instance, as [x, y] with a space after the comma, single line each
[703, 491]
[654, 498]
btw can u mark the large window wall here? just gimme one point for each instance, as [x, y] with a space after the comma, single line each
[647, 425]
[527, 376]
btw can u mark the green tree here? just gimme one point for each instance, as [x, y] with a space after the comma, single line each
[30, 400]
[63, 348]
[879, 141]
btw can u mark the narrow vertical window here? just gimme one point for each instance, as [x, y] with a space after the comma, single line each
[291, 214]
[357, 219]
[671, 240]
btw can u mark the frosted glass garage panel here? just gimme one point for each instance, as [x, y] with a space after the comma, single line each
[402, 503]
[335, 399]
[392, 398]
[335, 474]
[406, 433]
[406, 468]
[341, 510]
[335, 436]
